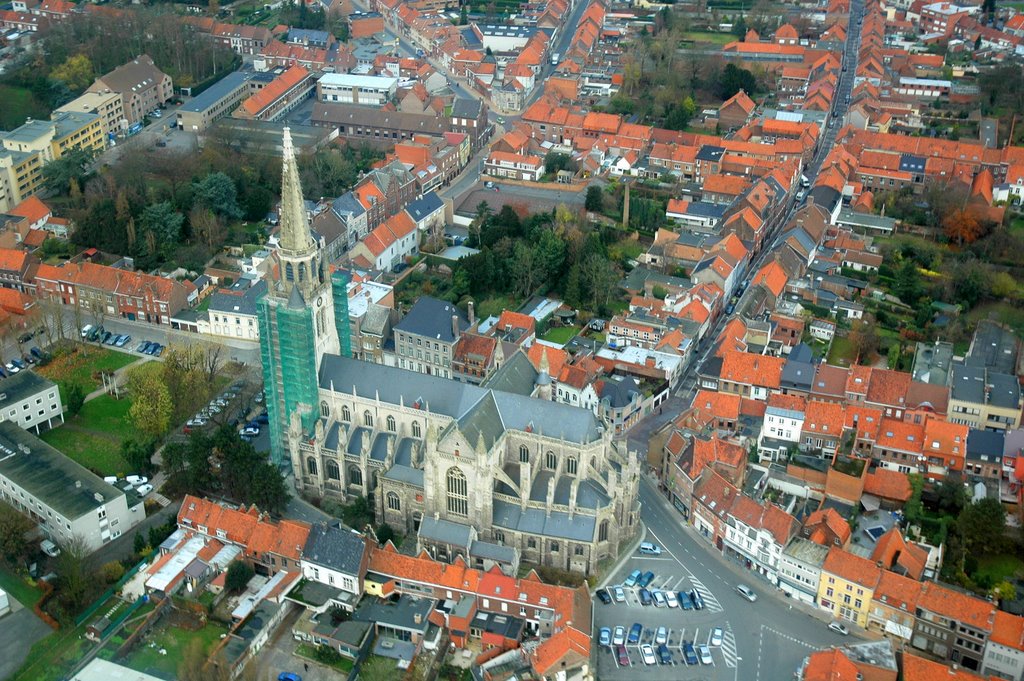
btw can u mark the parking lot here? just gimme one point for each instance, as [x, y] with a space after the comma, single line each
[676, 625]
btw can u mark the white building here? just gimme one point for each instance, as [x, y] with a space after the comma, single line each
[758, 534]
[349, 88]
[800, 569]
[337, 557]
[1004, 649]
[65, 498]
[783, 422]
[232, 311]
[30, 401]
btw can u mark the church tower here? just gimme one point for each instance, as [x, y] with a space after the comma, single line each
[297, 318]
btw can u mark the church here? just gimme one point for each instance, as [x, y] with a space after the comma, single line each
[439, 459]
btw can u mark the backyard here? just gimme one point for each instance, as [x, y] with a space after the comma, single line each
[93, 437]
[161, 652]
[560, 334]
[82, 364]
[842, 353]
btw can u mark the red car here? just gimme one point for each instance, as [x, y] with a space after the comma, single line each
[620, 651]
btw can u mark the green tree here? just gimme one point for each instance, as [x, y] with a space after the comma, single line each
[595, 199]
[14, 530]
[139, 544]
[75, 395]
[162, 225]
[680, 115]
[734, 79]
[952, 496]
[73, 575]
[72, 166]
[151, 408]
[217, 193]
[1005, 591]
[76, 72]
[914, 509]
[139, 454]
[983, 526]
[554, 161]
[739, 27]
[239, 574]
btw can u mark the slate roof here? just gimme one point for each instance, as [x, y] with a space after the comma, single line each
[239, 299]
[432, 318]
[425, 206]
[517, 375]
[445, 531]
[458, 400]
[535, 521]
[22, 385]
[335, 547]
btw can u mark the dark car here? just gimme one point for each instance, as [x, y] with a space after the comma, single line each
[25, 337]
[18, 363]
[623, 657]
[645, 597]
[634, 633]
[684, 601]
[3, 372]
[698, 602]
[263, 419]
[603, 596]
[645, 579]
[106, 337]
[288, 676]
[664, 654]
[689, 654]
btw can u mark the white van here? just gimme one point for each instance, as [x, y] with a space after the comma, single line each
[746, 592]
[86, 329]
[650, 549]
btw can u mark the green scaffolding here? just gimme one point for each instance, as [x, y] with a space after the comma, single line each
[287, 348]
[339, 291]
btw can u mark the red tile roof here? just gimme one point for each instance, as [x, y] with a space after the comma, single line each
[919, 669]
[772, 277]
[888, 484]
[749, 369]
[961, 607]
[31, 208]
[898, 592]
[824, 418]
[1008, 630]
[834, 523]
[558, 647]
[852, 568]
[829, 665]
[893, 552]
[724, 406]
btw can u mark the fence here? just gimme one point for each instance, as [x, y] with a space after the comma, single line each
[143, 629]
[91, 610]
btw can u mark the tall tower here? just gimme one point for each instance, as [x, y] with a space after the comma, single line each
[296, 318]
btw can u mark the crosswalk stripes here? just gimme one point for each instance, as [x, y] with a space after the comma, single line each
[729, 649]
[711, 603]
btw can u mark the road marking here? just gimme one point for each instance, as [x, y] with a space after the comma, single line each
[788, 637]
[728, 648]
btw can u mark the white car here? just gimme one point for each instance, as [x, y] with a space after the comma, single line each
[619, 636]
[136, 479]
[49, 548]
[647, 652]
[839, 628]
[673, 602]
[11, 368]
[619, 594]
[704, 653]
[251, 431]
[659, 599]
[661, 635]
[716, 637]
[144, 490]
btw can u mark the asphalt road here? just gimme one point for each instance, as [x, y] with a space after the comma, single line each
[764, 641]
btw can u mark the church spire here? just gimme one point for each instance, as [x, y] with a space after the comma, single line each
[295, 234]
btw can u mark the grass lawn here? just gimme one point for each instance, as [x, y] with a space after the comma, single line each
[842, 352]
[19, 104]
[1001, 312]
[93, 437]
[83, 365]
[308, 651]
[52, 658]
[1003, 566]
[560, 334]
[22, 591]
[174, 640]
[709, 37]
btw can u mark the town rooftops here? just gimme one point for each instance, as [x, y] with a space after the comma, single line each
[55, 480]
[851, 567]
[216, 92]
[240, 299]
[425, 206]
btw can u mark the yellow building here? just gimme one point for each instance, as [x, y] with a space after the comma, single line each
[26, 149]
[847, 585]
[108, 105]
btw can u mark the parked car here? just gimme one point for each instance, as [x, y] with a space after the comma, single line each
[25, 337]
[645, 597]
[3, 371]
[620, 594]
[18, 363]
[650, 549]
[136, 479]
[839, 628]
[634, 633]
[684, 601]
[689, 654]
[622, 655]
[659, 599]
[11, 368]
[605, 637]
[144, 490]
[633, 578]
[647, 653]
[263, 419]
[664, 654]
[670, 598]
[259, 398]
[159, 350]
[645, 579]
[49, 548]
[704, 653]
[142, 347]
[123, 341]
[106, 337]
[746, 592]
[603, 596]
[29, 358]
[37, 353]
[288, 676]
[661, 635]
[698, 601]
[619, 636]
[716, 636]
[252, 430]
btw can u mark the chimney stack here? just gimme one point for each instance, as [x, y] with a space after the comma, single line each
[455, 325]
[472, 314]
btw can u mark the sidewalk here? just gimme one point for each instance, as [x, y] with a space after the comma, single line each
[624, 556]
[118, 375]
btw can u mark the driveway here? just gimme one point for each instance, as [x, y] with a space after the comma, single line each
[278, 656]
[18, 632]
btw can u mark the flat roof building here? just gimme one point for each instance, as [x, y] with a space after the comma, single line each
[218, 100]
[29, 400]
[65, 498]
